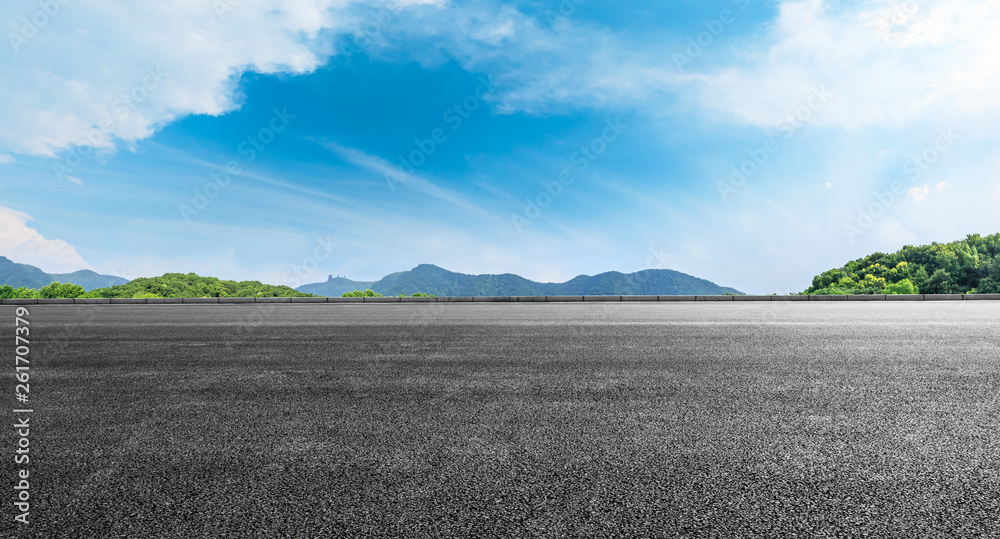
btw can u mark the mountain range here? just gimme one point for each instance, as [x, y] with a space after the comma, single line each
[430, 279]
[28, 276]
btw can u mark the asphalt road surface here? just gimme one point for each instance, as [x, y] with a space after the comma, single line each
[772, 419]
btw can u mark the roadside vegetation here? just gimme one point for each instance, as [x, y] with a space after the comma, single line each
[190, 285]
[176, 285]
[969, 266]
[170, 285]
[369, 293]
[51, 291]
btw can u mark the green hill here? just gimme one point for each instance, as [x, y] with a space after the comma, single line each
[335, 286]
[89, 280]
[661, 282]
[28, 276]
[190, 285]
[18, 275]
[967, 266]
[430, 279]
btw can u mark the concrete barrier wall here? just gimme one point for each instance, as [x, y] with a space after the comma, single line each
[532, 299]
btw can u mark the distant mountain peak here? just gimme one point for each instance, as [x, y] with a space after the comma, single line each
[428, 267]
[28, 276]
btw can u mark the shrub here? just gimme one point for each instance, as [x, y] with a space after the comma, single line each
[69, 290]
[25, 293]
[368, 293]
[902, 287]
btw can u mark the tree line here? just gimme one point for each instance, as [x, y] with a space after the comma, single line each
[170, 285]
[369, 293]
[968, 266]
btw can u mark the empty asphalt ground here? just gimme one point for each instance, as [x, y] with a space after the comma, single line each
[767, 419]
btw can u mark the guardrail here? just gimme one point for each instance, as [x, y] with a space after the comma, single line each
[497, 299]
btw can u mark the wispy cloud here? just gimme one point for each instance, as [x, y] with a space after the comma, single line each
[395, 175]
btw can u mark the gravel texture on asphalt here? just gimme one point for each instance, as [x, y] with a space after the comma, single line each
[511, 420]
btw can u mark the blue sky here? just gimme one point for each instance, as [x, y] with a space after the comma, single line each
[755, 144]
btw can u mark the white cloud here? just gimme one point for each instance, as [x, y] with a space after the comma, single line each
[138, 67]
[112, 71]
[941, 185]
[6, 159]
[883, 68]
[918, 194]
[540, 67]
[23, 244]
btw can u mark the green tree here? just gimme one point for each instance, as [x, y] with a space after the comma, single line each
[964, 265]
[827, 278]
[900, 272]
[56, 290]
[49, 291]
[368, 293]
[920, 279]
[902, 287]
[940, 283]
[990, 284]
[190, 285]
[876, 270]
[870, 285]
[70, 291]
[6, 291]
[25, 293]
